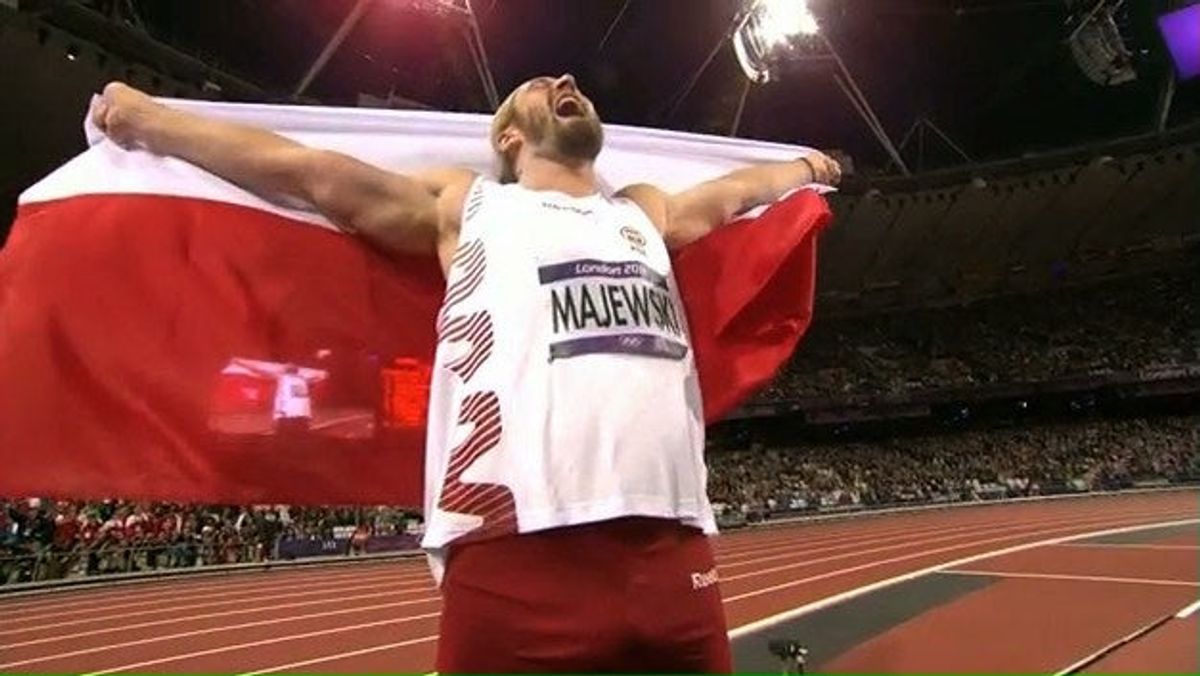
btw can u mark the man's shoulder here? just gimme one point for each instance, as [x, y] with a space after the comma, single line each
[650, 199]
[440, 180]
[453, 195]
[646, 191]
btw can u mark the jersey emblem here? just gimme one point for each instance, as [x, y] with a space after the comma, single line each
[636, 240]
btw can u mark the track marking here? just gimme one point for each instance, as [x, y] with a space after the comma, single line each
[847, 535]
[1022, 529]
[893, 537]
[1114, 545]
[338, 656]
[202, 632]
[1188, 611]
[1103, 652]
[104, 603]
[778, 618]
[255, 644]
[207, 630]
[1077, 578]
[241, 611]
[98, 588]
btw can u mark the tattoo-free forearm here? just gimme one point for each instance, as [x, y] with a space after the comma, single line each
[258, 160]
[767, 182]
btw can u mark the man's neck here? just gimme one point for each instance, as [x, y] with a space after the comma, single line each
[576, 180]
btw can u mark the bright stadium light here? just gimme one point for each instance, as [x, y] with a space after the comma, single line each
[778, 21]
[769, 29]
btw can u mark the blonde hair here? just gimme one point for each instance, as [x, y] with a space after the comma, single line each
[506, 115]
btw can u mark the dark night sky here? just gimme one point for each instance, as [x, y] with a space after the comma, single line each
[994, 74]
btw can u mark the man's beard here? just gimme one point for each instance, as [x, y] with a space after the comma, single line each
[569, 140]
[577, 138]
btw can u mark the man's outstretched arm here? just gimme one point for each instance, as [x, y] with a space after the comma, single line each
[687, 216]
[396, 212]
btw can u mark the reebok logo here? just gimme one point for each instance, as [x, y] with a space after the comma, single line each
[706, 579]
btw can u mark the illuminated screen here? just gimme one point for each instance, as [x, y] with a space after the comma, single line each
[1181, 30]
[332, 395]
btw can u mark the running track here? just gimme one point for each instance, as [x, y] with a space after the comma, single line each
[382, 616]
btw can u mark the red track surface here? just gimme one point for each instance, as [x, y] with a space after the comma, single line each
[383, 616]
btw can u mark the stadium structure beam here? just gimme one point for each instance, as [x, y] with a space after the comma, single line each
[339, 36]
[479, 55]
[862, 106]
[1164, 102]
[738, 21]
[612, 26]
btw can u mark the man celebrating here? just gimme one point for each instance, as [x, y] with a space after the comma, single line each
[293, 405]
[565, 495]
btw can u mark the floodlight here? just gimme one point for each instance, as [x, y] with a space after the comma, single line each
[767, 33]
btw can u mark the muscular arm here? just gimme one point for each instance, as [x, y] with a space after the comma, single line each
[687, 216]
[397, 213]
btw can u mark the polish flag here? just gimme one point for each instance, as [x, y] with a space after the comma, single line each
[148, 309]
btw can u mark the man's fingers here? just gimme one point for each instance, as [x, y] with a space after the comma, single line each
[825, 169]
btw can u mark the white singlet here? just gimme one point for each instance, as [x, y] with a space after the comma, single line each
[291, 397]
[564, 390]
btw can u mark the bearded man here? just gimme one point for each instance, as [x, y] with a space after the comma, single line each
[566, 512]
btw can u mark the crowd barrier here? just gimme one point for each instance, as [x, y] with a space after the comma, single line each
[288, 550]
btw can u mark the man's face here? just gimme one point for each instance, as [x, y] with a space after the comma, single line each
[558, 120]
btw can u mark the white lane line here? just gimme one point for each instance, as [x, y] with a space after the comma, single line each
[1027, 527]
[196, 579]
[778, 618]
[104, 604]
[1096, 656]
[255, 644]
[1077, 578]
[805, 548]
[338, 656]
[1115, 545]
[1188, 611]
[188, 618]
[897, 559]
[806, 540]
[196, 632]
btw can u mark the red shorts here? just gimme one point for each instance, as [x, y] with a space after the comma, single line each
[632, 594]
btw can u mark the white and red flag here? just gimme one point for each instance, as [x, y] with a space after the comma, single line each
[150, 312]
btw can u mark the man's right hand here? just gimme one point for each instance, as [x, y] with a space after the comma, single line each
[125, 114]
[825, 169]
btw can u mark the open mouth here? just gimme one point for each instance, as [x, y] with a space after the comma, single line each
[568, 106]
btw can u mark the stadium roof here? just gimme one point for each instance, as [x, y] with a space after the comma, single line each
[994, 81]
[996, 76]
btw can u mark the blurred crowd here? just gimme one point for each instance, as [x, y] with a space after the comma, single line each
[972, 465]
[1125, 325]
[47, 540]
